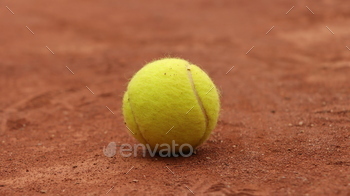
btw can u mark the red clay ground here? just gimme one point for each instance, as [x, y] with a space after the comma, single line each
[285, 119]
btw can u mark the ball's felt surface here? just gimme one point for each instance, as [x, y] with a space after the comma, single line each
[171, 99]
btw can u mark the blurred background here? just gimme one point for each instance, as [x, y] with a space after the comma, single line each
[282, 68]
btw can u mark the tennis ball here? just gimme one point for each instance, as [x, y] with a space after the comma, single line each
[171, 100]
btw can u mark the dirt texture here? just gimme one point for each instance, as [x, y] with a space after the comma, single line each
[284, 128]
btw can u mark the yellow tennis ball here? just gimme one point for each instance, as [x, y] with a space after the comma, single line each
[171, 100]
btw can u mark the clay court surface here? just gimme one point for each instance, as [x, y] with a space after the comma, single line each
[284, 128]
